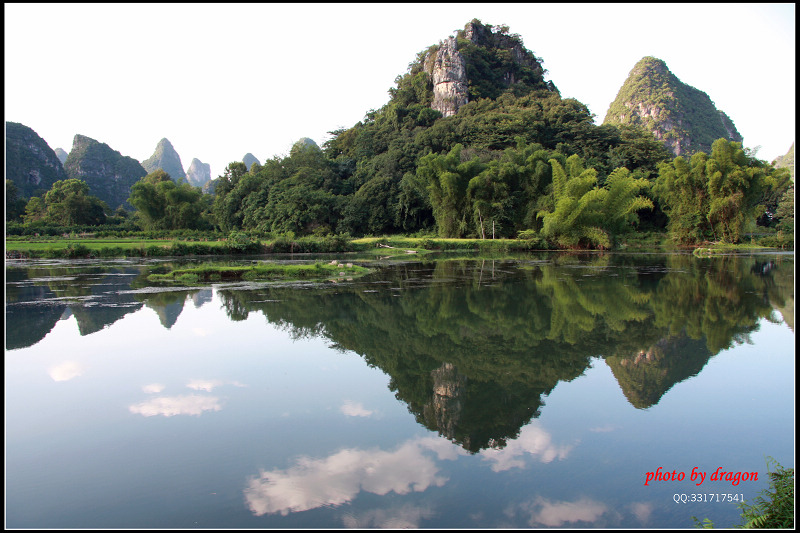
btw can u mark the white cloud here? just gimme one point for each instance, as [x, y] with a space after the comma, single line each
[350, 408]
[532, 441]
[338, 478]
[65, 371]
[642, 511]
[558, 513]
[192, 404]
[153, 388]
[209, 384]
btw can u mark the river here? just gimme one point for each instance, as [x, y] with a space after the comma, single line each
[541, 390]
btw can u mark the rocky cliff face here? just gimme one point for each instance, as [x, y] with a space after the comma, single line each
[199, 173]
[448, 71]
[682, 117]
[446, 405]
[109, 174]
[480, 62]
[30, 163]
[167, 159]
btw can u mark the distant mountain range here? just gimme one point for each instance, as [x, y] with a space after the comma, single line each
[480, 88]
[34, 167]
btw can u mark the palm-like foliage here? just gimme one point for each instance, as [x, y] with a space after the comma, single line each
[586, 214]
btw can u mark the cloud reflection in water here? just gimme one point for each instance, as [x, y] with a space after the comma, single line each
[192, 404]
[338, 478]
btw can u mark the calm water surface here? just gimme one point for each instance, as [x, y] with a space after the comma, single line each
[536, 392]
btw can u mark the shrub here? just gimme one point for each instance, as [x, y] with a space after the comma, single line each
[773, 508]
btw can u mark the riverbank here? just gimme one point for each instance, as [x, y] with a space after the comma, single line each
[77, 247]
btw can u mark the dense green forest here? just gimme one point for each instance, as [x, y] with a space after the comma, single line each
[517, 160]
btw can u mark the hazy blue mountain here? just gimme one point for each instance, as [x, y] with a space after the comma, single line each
[167, 159]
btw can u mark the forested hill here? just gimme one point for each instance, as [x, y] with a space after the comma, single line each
[683, 117]
[109, 174]
[463, 146]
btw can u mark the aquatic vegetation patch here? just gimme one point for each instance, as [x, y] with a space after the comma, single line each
[261, 272]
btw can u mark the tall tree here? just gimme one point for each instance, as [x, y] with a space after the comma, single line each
[163, 204]
[67, 203]
[15, 204]
[715, 197]
[447, 179]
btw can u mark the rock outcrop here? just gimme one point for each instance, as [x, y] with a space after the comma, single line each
[199, 173]
[493, 58]
[445, 408]
[448, 71]
[167, 159]
[682, 117]
[30, 162]
[109, 174]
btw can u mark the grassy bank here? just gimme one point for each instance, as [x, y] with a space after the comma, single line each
[51, 247]
[72, 247]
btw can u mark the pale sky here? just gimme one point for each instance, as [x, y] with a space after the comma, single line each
[222, 80]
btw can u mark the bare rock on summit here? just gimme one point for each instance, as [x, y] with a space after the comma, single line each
[480, 61]
[448, 70]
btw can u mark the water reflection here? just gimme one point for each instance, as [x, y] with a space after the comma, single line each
[338, 478]
[472, 348]
[476, 352]
[186, 404]
[542, 512]
[37, 297]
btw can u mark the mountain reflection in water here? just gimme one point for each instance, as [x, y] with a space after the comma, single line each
[473, 347]
[474, 357]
